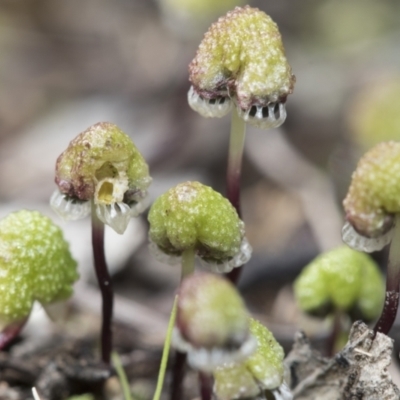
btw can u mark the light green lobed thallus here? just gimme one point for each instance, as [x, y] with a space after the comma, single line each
[102, 151]
[374, 193]
[211, 313]
[263, 370]
[243, 51]
[192, 215]
[35, 264]
[343, 278]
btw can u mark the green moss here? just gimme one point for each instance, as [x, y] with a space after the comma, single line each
[344, 278]
[35, 264]
[374, 193]
[243, 51]
[194, 215]
[101, 152]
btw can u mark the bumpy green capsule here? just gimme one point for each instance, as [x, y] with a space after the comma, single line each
[373, 197]
[242, 58]
[192, 215]
[104, 166]
[343, 279]
[212, 321]
[263, 370]
[35, 264]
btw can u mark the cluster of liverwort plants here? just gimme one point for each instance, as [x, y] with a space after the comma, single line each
[240, 66]
[346, 283]
[235, 356]
[101, 173]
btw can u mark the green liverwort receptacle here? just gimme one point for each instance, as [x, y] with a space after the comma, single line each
[192, 219]
[261, 371]
[372, 207]
[341, 279]
[241, 60]
[344, 284]
[101, 171]
[212, 323]
[373, 198]
[35, 265]
[194, 216]
[101, 165]
[241, 64]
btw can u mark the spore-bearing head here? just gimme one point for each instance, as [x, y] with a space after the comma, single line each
[233, 62]
[373, 198]
[101, 165]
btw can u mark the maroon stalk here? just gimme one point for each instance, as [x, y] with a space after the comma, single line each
[206, 386]
[105, 285]
[391, 304]
[178, 376]
[235, 156]
[10, 332]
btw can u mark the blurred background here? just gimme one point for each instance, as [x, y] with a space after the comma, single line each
[65, 65]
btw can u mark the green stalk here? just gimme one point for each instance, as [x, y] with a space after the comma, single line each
[126, 390]
[391, 304]
[167, 345]
[187, 263]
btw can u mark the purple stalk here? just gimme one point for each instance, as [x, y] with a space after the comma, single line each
[233, 184]
[236, 148]
[178, 375]
[179, 369]
[206, 386]
[10, 332]
[335, 333]
[391, 304]
[235, 156]
[105, 285]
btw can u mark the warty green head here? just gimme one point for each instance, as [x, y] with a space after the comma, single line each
[103, 166]
[242, 58]
[342, 279]
[193, 215]
[212, 322]
[374, 193]
[262, 370]
[35, 264]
